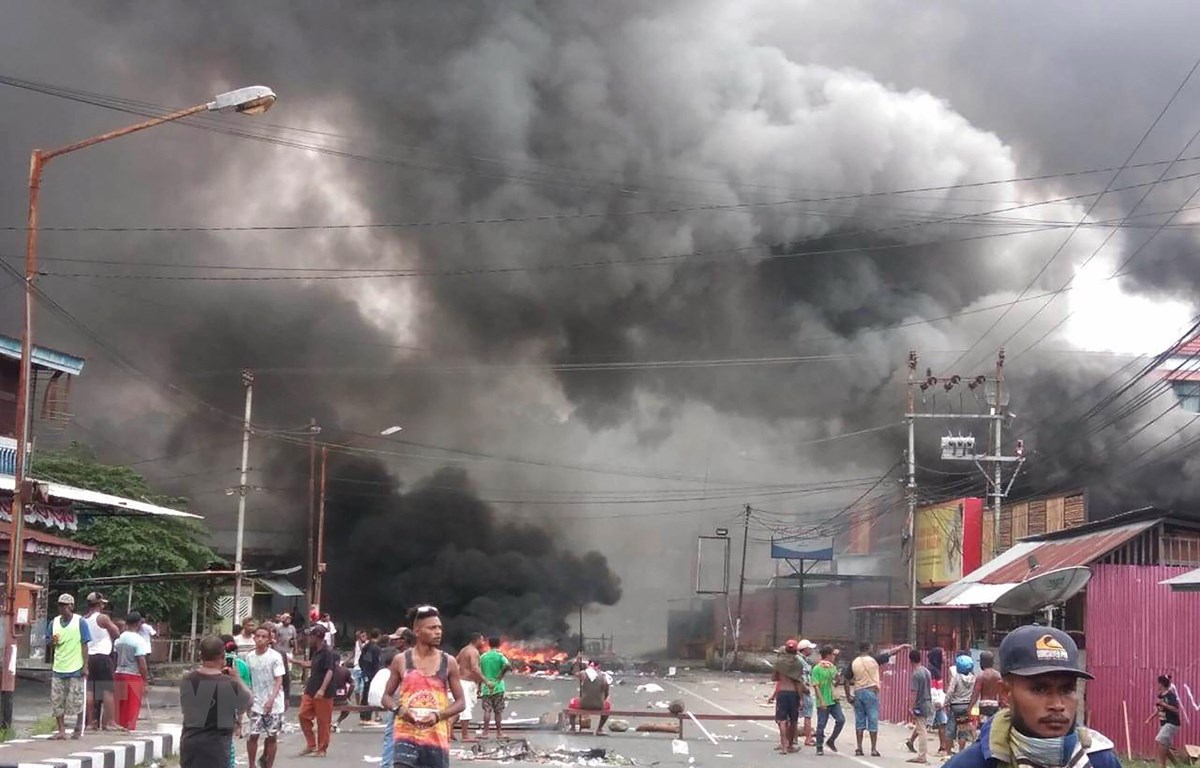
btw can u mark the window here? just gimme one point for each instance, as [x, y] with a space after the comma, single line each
[1188, 393]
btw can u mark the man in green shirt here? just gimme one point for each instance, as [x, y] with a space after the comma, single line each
[493, 665]
[824, 674]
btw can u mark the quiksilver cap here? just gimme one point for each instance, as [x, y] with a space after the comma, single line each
[1034, 650]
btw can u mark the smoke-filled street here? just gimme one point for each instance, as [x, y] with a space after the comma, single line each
[353, 357]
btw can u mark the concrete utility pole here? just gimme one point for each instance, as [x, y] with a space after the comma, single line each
[959, 448]
[911, 494]
[243, 490]
[321, 528]
[998, 493]
[737, 626]
[311, 572]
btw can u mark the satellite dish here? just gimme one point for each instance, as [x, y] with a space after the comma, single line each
[1045, 589]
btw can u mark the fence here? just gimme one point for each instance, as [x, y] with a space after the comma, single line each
[1138, 629]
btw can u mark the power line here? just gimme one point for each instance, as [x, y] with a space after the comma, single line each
[1107, 188]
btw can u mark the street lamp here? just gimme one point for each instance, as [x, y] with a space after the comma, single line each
[253, 100]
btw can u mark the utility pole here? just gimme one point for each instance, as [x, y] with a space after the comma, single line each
[243, 490]
[313, 431]
[959, 448]
[998, 492]
[911, 493]
[321, 528]
[737, 626]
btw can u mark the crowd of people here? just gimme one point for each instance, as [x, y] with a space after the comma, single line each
[1023, 713]
[401, 682]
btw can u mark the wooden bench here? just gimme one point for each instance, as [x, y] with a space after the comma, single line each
[632, 713]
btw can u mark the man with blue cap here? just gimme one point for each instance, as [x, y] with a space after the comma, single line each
[1038, 728]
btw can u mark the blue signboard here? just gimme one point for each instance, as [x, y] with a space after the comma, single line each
[802, 549]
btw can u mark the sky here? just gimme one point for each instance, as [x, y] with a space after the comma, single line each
[630, 266]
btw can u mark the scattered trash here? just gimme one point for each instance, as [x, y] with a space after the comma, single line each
[521, 750]
[663, 704]
[650, 688]
[679, 747]
[618, 726]
[541, 692]
[670, 671]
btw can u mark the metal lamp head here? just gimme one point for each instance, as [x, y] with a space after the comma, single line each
[252, 100]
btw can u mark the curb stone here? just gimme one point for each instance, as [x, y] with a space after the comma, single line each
[136, 749]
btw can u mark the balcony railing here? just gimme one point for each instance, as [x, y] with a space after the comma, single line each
[8, 456]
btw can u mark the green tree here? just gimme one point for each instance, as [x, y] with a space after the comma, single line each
[129, 545]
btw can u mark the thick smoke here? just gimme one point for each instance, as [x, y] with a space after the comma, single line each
[589, 114]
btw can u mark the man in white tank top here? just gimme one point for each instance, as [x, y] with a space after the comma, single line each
[101, 702]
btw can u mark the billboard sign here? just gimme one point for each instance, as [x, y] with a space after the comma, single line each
[802, 549]
[948, 541]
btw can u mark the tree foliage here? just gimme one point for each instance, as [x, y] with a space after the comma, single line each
[129, 545]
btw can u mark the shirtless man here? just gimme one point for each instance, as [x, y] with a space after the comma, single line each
[788, 675]
[988, 692]
[472, 676]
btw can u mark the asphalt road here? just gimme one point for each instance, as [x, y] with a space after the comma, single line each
[740, 744]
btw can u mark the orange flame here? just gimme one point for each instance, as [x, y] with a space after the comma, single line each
[531, 654]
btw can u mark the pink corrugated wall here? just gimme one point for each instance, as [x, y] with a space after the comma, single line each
[895, 700]
[1137, 630]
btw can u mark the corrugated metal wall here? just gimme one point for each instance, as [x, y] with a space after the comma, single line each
[1136, 630]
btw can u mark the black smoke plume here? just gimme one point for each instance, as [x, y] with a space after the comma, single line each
[618, 126]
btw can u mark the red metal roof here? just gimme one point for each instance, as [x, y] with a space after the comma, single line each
[1189, 347]
[1067, 552]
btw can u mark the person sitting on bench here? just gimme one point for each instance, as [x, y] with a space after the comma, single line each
[593, 696]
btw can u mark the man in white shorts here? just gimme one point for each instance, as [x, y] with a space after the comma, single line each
[472, 676]
[266, 683]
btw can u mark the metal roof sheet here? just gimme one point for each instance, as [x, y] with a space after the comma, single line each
[97, 499]
[42, 356]
[950, 592]
[977, 594]
[1066, 552]
[1184, 582]
[281, 587]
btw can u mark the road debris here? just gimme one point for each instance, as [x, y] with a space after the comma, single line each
[520, 750]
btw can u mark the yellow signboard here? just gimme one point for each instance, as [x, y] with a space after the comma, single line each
[939, 543]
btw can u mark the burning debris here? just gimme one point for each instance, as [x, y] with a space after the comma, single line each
[532, 656]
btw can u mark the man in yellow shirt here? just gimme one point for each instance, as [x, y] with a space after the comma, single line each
[68, 637]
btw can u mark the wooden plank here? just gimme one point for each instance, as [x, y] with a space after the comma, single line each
[1075, 511]
[1054, 514]
[1020, 522]
[1037, 518]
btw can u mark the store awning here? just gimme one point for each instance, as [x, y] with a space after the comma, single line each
[101, 501]
[281, 587]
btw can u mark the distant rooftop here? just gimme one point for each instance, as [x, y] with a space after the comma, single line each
[42, 356]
